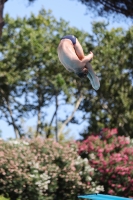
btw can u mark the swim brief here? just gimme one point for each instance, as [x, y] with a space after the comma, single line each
[70, 37]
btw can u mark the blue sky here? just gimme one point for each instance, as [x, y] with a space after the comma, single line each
[69, 10]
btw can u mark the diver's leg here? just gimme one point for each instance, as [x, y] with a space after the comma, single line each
[79, 51]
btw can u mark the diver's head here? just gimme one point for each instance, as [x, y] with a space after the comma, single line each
[83, 73]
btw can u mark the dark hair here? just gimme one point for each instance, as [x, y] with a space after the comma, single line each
[83, 74]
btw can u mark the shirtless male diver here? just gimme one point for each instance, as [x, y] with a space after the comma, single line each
[71, 55]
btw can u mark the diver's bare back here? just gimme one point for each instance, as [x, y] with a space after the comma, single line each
[67, 55]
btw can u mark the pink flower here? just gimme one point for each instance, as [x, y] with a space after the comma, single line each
[111, 191]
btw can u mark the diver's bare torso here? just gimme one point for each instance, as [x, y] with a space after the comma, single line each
[67, 56]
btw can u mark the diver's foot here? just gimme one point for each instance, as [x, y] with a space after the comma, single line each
[94, 80]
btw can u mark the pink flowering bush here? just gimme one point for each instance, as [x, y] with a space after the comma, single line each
[112, 158]
[42, 169]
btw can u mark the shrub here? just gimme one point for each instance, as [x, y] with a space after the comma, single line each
[112, 158]
[3, 198]
[42, 169]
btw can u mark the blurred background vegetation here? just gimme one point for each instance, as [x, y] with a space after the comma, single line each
[42, 162]
[32, 77]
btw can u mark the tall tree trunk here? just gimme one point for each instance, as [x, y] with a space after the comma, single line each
[38, 121]
[2, 2]
[52, 119]
[71, 116]
[16, 130]
[56, 123]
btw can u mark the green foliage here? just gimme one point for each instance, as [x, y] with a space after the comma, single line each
[115, 7]
[43, 169]
[113, 106]
[30, 69]
[32, 78]
[3, 198]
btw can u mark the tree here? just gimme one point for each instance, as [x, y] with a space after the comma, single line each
[102, 7]
[113, 106]
[30, 70]
[105, 7]
[2, 2]
[12, 77]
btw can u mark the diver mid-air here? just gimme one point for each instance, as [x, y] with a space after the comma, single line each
[71, 55]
